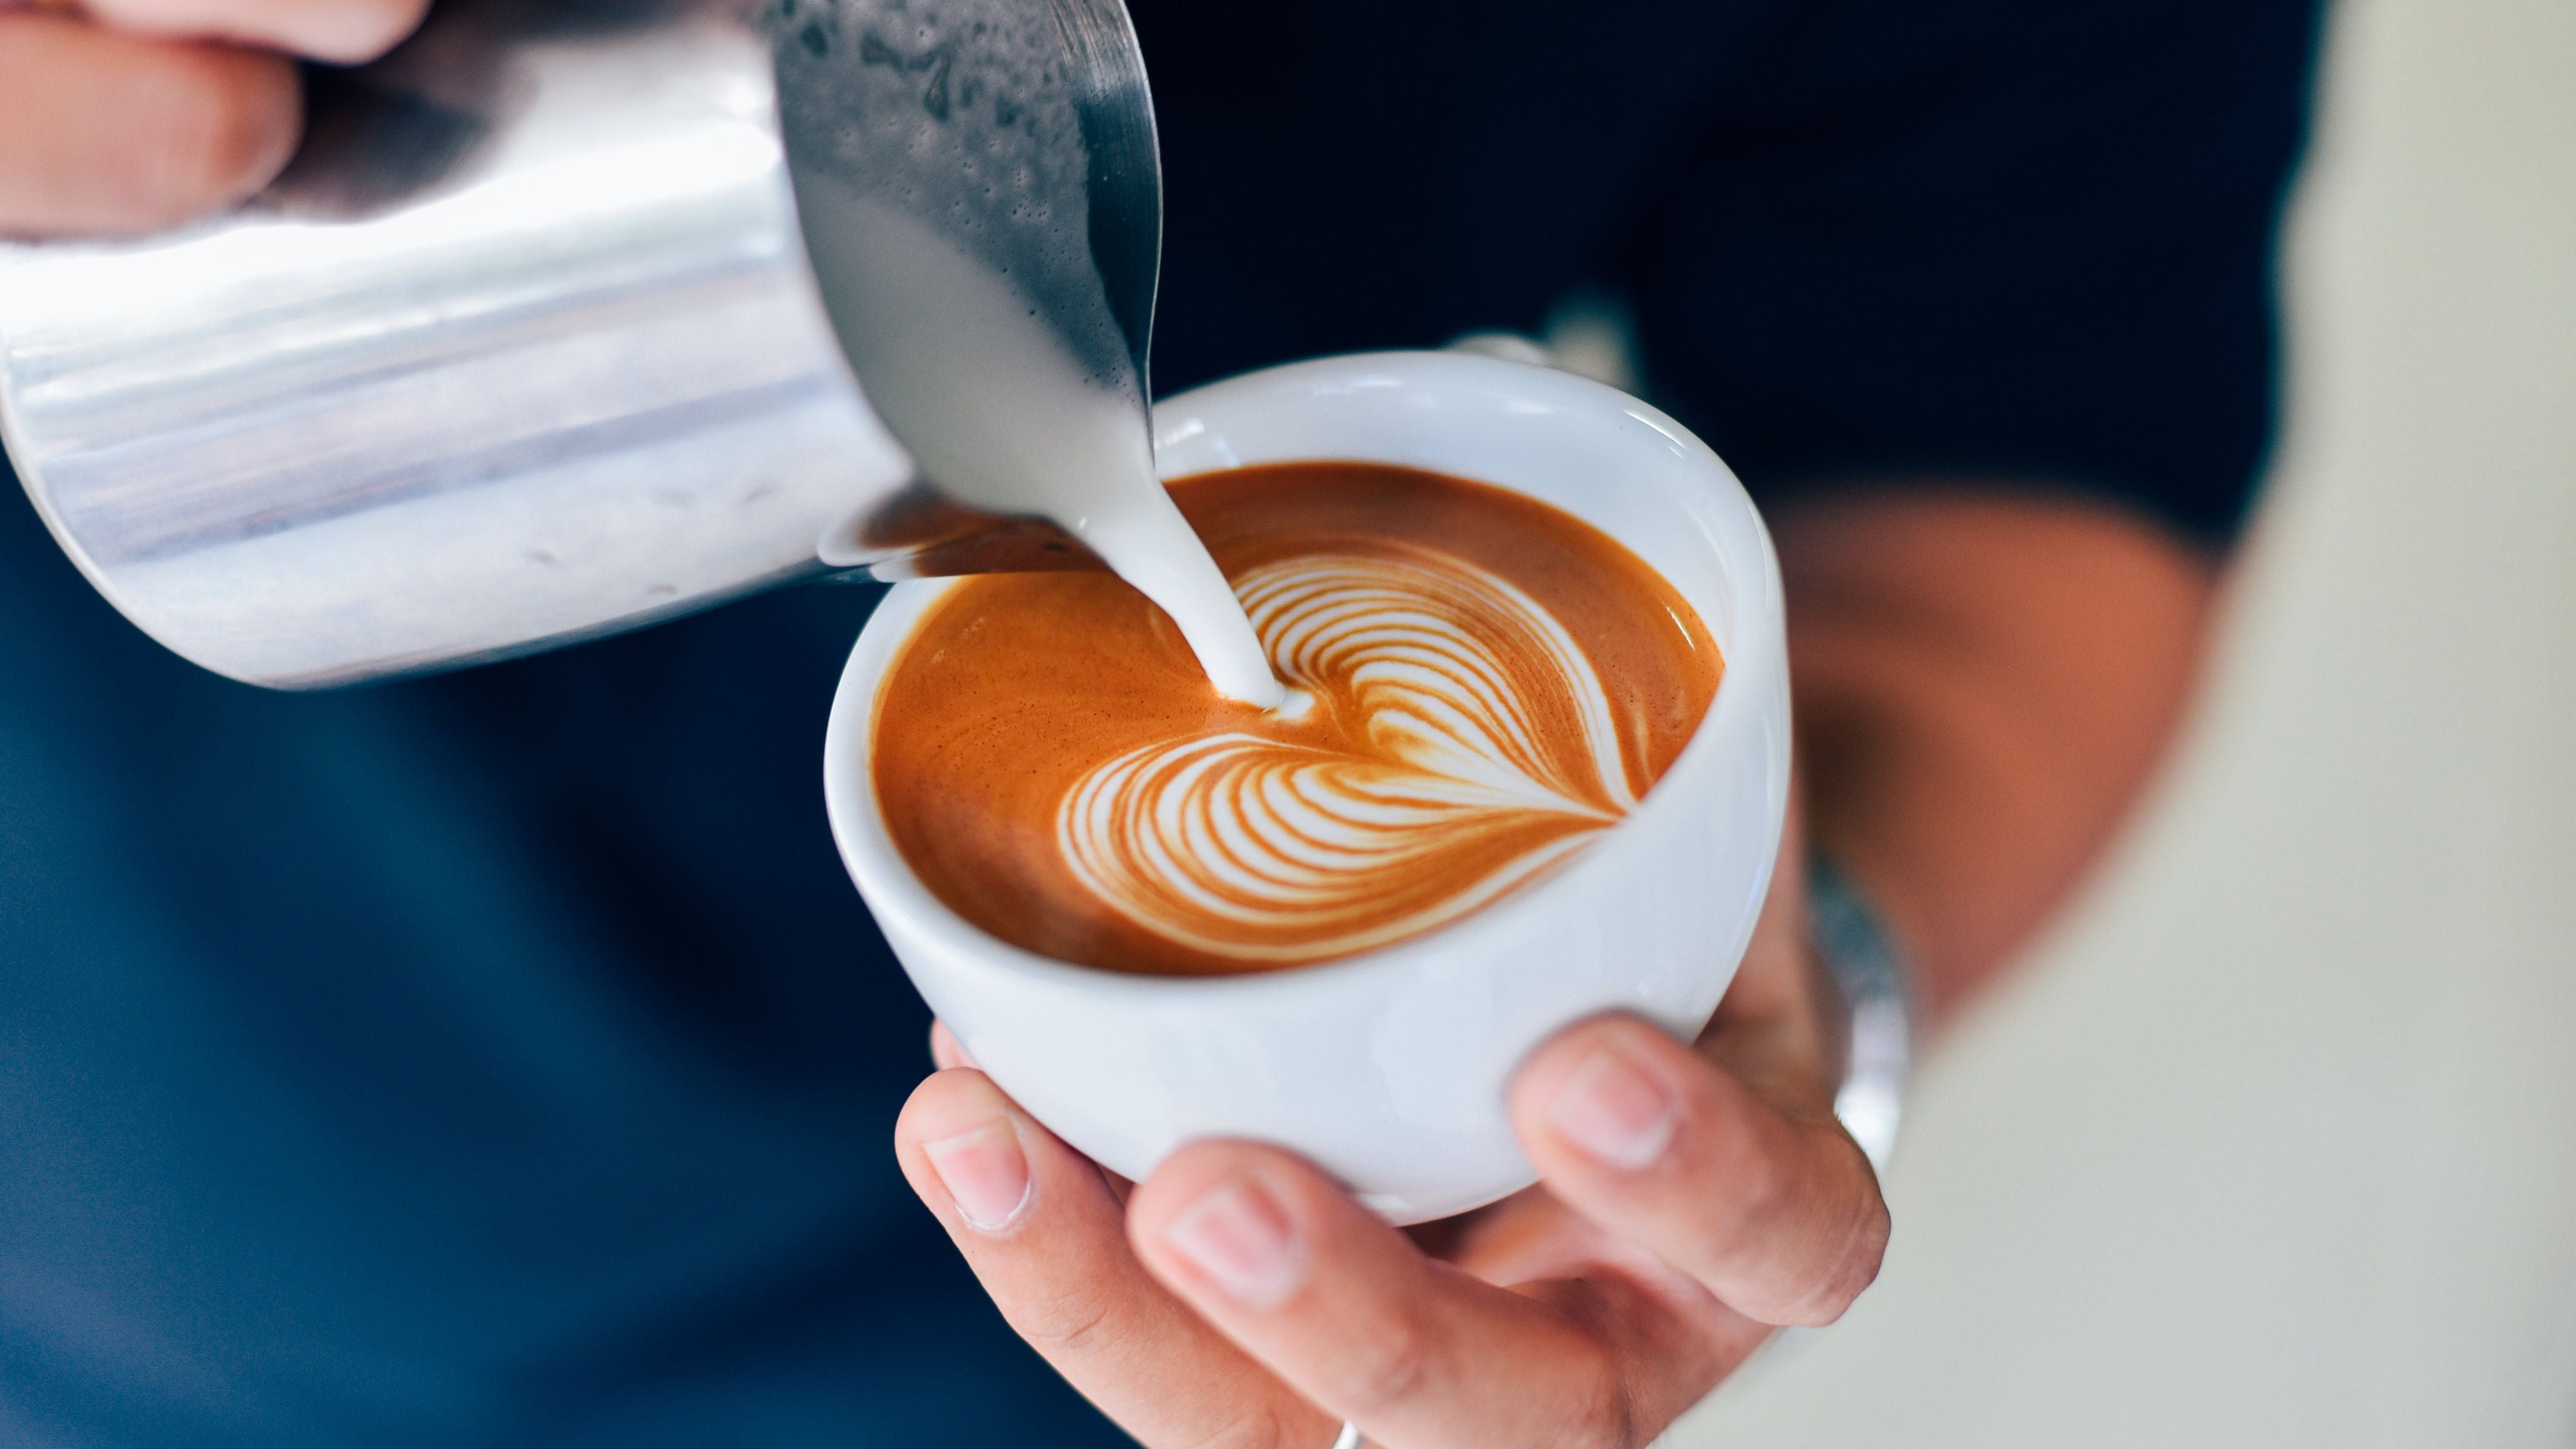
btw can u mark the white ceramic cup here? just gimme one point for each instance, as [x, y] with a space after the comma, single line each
[1389, 1069]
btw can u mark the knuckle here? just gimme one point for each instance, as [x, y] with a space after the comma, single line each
[1850, 1265]
[1763, 1198]
[1610, 1422]
[1259, 1427]
[1064, 1326]
[1386, 1364]
[1855, 1266]
[1789, 1244]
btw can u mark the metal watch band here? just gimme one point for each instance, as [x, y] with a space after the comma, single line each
[1867, 967]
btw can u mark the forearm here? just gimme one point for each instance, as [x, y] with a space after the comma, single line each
[1984, 684]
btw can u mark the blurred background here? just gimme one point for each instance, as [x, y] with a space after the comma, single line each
[2274, 1142]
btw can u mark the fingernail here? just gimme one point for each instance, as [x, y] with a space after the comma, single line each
[1615, 1110]
[1243, 1241]
[986, 1174]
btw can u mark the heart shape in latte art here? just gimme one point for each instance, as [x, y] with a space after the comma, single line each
[1460, 745]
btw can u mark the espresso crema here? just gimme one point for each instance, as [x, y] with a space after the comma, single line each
[1482, 685]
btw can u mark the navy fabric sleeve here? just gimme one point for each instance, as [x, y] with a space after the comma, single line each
[2017, 240]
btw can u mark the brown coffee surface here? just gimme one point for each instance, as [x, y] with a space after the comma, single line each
[1486, 683]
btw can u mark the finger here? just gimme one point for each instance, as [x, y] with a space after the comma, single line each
[1418, 1354]
[104, 132]
[1047, 1239]
[341, 31]
[945, 1049]
[1778, 1215]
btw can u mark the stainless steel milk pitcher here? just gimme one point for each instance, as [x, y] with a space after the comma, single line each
[525, 346]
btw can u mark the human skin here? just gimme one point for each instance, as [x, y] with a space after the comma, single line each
[128, 116]
[1984, 680]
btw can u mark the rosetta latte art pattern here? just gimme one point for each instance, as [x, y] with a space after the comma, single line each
[1461, 745]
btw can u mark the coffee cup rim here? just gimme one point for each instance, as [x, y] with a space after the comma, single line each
[1752, 657]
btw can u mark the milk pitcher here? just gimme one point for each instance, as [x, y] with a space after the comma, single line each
[525, 346]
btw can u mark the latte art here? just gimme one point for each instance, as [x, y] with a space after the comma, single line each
[1481, 685]
[1476, 750]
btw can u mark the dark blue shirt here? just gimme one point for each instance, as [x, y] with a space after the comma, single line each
[504, 1058]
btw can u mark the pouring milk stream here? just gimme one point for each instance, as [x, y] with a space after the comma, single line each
[997, 409]
[962, 191]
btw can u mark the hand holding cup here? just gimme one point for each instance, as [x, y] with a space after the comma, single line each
[1256, 1286]
[1692, 1200]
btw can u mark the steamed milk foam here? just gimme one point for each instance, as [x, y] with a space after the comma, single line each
[945, 179]
[1491, 683]
[999, 411]
[1236, 842]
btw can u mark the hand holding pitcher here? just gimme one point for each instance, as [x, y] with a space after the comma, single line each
[132, 115]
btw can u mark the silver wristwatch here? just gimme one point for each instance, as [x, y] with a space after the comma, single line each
[1866, 966]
